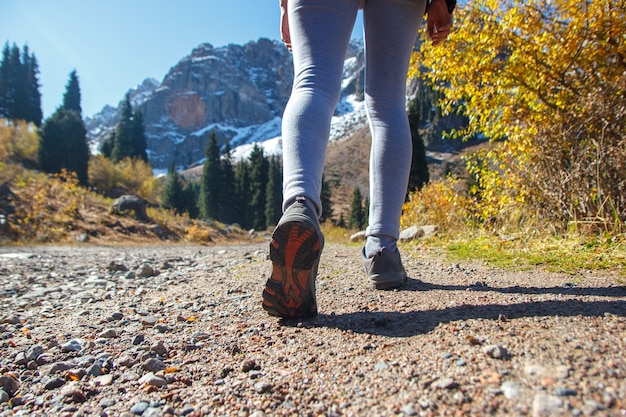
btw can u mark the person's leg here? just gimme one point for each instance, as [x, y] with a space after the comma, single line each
[390, 32]
[320, 32]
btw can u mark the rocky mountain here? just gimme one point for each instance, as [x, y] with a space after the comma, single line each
[237, 91]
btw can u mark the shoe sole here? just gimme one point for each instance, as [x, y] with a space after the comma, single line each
[294, 252]
[387, 281]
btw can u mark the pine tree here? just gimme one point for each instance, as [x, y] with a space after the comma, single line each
[123, 146]
[274, 192]
[357, 217]
[63, 144]
[242, 195]
[71, 98]
[327, 208]
[18, 78]
[419, 175]
[173, 197]
[191, 191]
[106, 147]
[34, 96]
[259, 167]
[139, 141]
[228, 198]
[210, 183]
[5, 84]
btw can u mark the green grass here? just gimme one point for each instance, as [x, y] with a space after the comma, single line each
[568, 254]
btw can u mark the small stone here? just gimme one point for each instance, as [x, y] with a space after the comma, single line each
[54, 383]
[145, 271]
[71, 346]
[103, 380]
[9, 384]
[163, 328]
[106, 402]
[159, 348]
[263, 387]
[250, 365]
[139, 408]
[4, 397]
[358, 237]
[565, 392]
[34, 352]
[152, 412]
[445, 383]
[116, 316]
[20, 358]
[59, 367]
[408, 410]
[114, 266]
[139, 339]
[510, 389]
[461, 362]
[496, 351]
[381, 366]
[152, 380]
[14, 319]
[153, 365]
[546, 405]
[95, 369]
[108, 334]
[73, 392]
[149, 321]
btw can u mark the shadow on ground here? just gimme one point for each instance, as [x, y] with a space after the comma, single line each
[411, 323]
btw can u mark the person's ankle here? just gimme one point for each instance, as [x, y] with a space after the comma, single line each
[377, 243]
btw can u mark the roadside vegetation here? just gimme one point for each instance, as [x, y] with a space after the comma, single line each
[542, 83]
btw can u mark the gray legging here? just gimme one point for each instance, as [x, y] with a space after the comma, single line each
[320, 33]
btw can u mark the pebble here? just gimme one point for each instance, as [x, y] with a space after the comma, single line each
[546, 405]
[496, 351]
[153, 380]
[408, 410]
[263, 387]
[71, 346]
[9, 384]
[4, 397]
[106, 402]
[108, 334]
[153, 365]
[510, 389]
[565, 392]
[445, 383]
[139, 408]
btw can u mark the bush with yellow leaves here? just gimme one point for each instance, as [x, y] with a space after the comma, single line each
[18, 142]
[132, 176]
[545, 80]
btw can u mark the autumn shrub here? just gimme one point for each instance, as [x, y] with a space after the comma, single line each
[545, 80]
[129, 176]
[46, 207]
[443, 203]
[18, 142]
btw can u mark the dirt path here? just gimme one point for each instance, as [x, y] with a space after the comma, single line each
[159, 331]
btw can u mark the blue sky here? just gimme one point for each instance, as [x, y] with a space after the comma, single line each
[116, 44]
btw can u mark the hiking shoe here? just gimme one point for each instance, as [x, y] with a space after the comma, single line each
[384, 269]
[295, 250]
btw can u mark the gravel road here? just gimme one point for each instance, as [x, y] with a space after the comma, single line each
[179, 331]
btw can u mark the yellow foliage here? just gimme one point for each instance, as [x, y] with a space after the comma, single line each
[50, 207]
[441, 203]
[198, 233]
[546, 78]
[129, 175]
[19, 141]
